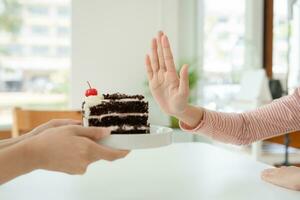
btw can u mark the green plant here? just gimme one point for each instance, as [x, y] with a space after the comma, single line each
[10, 20]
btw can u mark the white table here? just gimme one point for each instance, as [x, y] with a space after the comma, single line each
[191, 171]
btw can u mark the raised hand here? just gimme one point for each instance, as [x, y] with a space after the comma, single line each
[169, 90]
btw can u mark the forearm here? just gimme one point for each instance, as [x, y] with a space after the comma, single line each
[225, 127]
[8, 142]
[277, 118]
[15, 161]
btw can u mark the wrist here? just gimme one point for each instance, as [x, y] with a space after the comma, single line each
[31, 154]
[191, 115]
[16, 161]
[24, 137]
[182, 114]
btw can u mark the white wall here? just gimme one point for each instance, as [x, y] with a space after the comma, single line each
[110, 40]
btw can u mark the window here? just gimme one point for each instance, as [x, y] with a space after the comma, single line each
[38, 10]
[280, 43]
[39, 30]
[31, 66]
[63, 51]
[224, 50]
[15, 49]
[294, 56]
[63, 31]
[63, 11]
[286, 58]
[40, 50]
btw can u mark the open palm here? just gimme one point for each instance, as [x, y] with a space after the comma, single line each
[169, 90]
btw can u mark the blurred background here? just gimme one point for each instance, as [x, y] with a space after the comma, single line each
[35, 55]
[50, 48]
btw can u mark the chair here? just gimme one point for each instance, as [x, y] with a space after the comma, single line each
[5, 134]
[25, 120]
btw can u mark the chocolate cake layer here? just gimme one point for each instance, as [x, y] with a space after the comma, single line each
[119, 107]
[122, 96]
[116, 120]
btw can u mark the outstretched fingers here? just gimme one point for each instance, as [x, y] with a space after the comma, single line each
[184, 80]
[154, 58]
[161, 59]
[149, 67]
[167, 53]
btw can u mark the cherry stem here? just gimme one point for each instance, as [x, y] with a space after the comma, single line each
[89, 84]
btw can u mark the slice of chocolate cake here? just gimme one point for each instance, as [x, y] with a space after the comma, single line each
[123, 114]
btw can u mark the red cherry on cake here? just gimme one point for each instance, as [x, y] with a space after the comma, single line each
[91, 91]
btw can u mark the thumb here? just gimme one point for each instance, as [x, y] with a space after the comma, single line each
[93, 133]
[106, 153]
[184, 80]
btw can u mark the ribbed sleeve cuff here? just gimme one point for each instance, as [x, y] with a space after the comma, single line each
[183, 126]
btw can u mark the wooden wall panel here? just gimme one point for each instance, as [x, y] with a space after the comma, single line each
[268, 37]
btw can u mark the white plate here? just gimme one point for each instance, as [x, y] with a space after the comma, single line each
[159, 136]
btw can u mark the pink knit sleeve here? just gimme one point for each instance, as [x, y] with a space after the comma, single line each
[280, 116]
